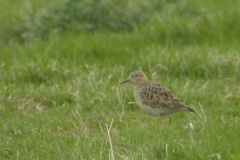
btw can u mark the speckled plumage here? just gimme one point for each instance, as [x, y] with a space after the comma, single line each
[153, 98]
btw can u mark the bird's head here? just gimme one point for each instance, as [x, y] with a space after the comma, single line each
[136, 78]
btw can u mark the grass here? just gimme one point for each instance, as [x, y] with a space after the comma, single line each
[60, 97]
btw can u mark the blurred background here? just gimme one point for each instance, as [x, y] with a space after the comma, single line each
[61, 62]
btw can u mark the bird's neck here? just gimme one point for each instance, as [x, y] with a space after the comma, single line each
[142, 82]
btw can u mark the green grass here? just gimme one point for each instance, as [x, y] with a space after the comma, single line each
[60, 97]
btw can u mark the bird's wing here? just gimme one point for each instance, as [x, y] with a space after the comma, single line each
[158, 96]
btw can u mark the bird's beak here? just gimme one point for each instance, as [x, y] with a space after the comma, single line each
[125, 81]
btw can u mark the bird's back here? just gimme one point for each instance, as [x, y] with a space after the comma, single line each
[156, 96]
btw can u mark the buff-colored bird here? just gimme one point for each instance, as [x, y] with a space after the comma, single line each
[153, 98]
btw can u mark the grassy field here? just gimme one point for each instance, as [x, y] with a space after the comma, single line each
[60, 96]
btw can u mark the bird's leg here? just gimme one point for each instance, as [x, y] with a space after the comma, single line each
[170, 120]
[160, 119]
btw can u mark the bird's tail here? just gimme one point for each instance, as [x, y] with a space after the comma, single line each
[190, 110]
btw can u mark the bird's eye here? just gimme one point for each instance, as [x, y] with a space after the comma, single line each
[135, 75]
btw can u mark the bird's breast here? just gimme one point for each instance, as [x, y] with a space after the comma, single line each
[137, 97]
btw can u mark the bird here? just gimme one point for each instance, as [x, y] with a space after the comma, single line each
[155, 99]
